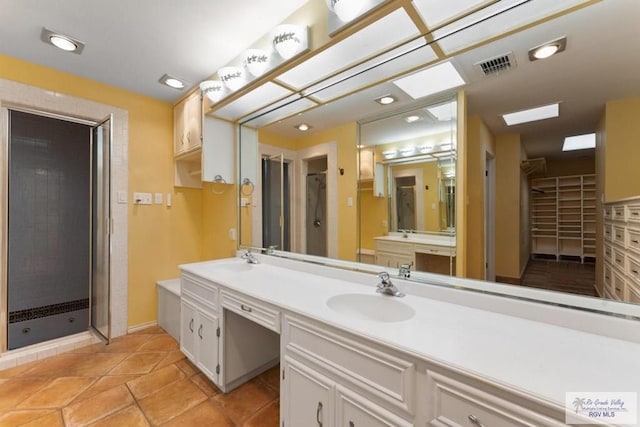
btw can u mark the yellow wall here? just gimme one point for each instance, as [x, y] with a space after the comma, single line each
[507, 211]
[374, 212]
[219, 216]
[480, 141]
[159, 238]
[622, 125]
[567, 167]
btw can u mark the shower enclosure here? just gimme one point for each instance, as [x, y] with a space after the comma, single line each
[275, 203]
[316, 209]
[57, 238]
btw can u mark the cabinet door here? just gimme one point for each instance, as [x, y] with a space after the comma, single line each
[179, 131]
[307, 395]
[187, 329]
[193, 123]
[208, 344]
[355, 411]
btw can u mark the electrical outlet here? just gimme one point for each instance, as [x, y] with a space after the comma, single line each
[232, 233]
[158, 198]
[142, 198]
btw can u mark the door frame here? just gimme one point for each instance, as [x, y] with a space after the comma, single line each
[489, 218]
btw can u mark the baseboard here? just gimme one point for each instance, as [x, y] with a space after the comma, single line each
[509, 280]
[141, 326]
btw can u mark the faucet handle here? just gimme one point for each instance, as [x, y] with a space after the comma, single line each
[385, 279]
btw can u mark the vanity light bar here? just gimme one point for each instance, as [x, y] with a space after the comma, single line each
[532, 114]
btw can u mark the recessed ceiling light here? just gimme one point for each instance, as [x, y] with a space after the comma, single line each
[412, 118]
[435, 79]
[386, 100]
[532, 114]
[579, 142]
[61, 41]
[172, 82]
[303, 127]
[547, 49]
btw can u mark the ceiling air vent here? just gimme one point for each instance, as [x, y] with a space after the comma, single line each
[497, 64]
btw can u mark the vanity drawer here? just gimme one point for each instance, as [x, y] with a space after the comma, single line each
[619, 259]
[608, 234]
[633, 239]
[354, 361]
[634, 294]
[254, 310]
[398, 248]
[618, 235]
[434, 250]
[453, 403]
[608, 252]
[618, 213]
[607, 276]
[633, 213]
[633, 268]
[203, 293]
[608, 213]
[618, 285]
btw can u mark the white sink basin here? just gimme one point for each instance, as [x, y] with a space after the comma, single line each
[376, 307]
[237, 267]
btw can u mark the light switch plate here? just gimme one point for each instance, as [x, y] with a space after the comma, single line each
[142, 198]
[158, 198]
[168, 199]
[122, 197]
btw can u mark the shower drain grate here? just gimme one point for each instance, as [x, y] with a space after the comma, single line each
[48, 310]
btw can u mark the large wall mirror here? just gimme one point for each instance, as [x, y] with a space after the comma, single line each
[437, 179]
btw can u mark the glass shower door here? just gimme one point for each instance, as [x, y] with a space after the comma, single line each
[101, 228]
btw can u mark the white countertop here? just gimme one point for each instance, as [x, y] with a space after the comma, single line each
[425, 239]
[538, 358]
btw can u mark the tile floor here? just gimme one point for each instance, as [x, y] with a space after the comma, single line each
[141, 379]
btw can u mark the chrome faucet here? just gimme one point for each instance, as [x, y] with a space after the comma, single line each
[404, 233]
[386, 287]
[251, 259]
[405, 271]
[271, 249]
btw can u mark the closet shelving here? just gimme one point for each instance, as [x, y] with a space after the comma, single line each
[564, 217]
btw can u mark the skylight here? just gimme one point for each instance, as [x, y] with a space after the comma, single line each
[532, 114]
[579, 142]
[443, 113]
[432, 80]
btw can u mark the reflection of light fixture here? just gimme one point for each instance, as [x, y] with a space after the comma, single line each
[303, 127]
[172, 82]
[389, 154]
[61, 41]
[450, 174]
[445, 146]
[346, 9]
[256, 61]
[289, 40]
[426, 148]
[532, 114]
[360, 146]
[444, 112]
[385, 100]
[548, 49]
[232, 77]
[579, 142]
[212, 89]
[411, 119]
[407, 151]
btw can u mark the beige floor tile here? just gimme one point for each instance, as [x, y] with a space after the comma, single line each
[131, 416]
[103, 384]
[160, 343]
[23, 416]
[58, 393]
[154, 381]
[153, 330]
[125, 344]
[205, 385]
[137, 363]
[269, 416]
[171, 358]
[17, 371]
[245, 400]
[53, 419]
[76, 365]
[205, 414]
[16, 390]
[171, 401]
[187, 367]
[97, 407]
[272, 378]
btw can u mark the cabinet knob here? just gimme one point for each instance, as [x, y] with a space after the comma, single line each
[200, 331]
[475, 420]
[319, 414]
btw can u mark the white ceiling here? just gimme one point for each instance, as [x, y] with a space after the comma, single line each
[601, 63]
[132, 43]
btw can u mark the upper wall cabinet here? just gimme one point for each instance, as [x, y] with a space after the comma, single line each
[203, 145]
[187, 119]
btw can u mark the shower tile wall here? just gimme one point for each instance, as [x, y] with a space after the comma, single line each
[48, 239]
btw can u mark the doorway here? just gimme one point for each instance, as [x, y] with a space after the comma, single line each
[57, 236]
[276, 203]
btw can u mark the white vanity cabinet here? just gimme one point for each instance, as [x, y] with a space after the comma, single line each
[199, 326]
[334, 379]
[187, 124]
